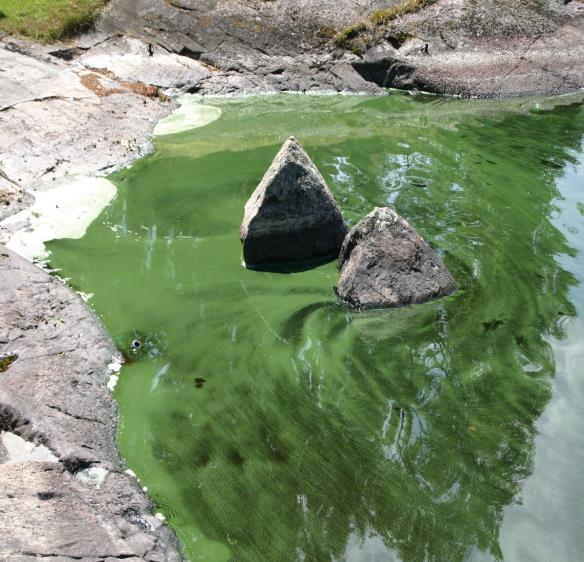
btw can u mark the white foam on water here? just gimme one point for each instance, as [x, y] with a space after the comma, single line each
[191, 114]
[64, 211]
[114, 369]
[112, 382]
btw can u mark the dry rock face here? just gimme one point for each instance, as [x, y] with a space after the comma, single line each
[292, 215]
[491, 48]
[385, 263]
[64, 493]
[59, 118]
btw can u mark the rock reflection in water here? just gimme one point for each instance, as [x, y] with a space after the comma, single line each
[322, 434]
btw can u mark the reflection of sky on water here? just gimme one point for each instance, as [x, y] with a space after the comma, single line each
[542, 526]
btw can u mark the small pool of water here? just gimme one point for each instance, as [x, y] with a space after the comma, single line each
[271, 424]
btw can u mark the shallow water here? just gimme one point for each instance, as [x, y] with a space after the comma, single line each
[270, 424]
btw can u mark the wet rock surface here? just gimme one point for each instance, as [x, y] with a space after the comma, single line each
[57, 426]
[384, 263]
[292, 215]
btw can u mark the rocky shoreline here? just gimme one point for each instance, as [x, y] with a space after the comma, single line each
[491, 48]
[65, 493]
[88, 107]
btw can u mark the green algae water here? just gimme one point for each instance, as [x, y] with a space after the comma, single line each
[271, 424]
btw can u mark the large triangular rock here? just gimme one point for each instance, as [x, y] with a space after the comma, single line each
[292, 215]
[385, 263]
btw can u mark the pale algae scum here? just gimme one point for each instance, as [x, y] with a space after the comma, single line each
[64, 211]
[269, 423]
[67, 209]
[192, 114]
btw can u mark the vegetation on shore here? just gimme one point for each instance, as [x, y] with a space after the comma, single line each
[48, 20]
[354, 37]
[382, 17]
[345, 36]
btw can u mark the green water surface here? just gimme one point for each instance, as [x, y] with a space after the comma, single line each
[271, 424]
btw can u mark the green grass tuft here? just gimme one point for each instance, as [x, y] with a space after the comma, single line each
[382, 17]
[49, 20]
[353, 37]
[344, 37]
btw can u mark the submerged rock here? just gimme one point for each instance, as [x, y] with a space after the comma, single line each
[385, 263]
[292, 215]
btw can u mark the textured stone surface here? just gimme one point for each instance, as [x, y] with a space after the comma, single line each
[128, 59]
[490, 48]
[385, 263]
[292, 215]
[55, 394]
[257, 46]
[64, 494]
[60, 119]
[13, 198]
[228, 28]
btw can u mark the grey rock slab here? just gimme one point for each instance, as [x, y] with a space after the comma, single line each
[481, 49]
[25, 78]
[347, 79]
[16, 449]
[63, 490]
[128, 59]
[47, 512]
[292, 215]
[53, 125]
[13, 198]
[285, 27]
[489, 49]
[176, 42]
[47, 516]
[385, 263]
[492, 48]
[46, 140]
[57, 383]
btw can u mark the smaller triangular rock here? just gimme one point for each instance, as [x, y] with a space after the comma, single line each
[292, 215]
[385, 263]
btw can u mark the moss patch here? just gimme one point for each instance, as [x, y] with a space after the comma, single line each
[49, 20]
[344, 37]
[360, 36]
[382, 17]
[6, 361]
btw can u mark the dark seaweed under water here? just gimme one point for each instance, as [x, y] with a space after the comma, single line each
[269, 423]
